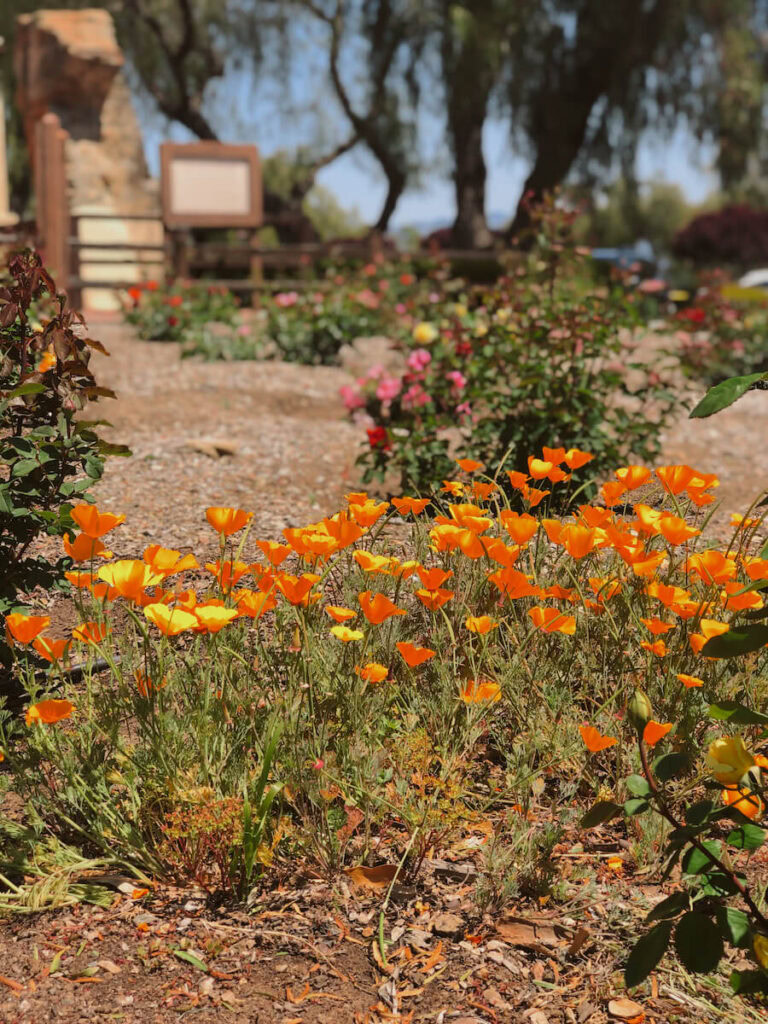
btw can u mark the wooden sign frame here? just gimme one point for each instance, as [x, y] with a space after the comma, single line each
[171, 152]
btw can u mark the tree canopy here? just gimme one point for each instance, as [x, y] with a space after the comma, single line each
[578, 83]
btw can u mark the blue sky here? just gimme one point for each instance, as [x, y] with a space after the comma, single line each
[266, 116]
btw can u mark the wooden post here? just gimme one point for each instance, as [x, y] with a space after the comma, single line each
[53, 221]
[256, 267]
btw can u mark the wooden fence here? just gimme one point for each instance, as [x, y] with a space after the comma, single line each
[136, 247]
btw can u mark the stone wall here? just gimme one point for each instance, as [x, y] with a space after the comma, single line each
[68, 63]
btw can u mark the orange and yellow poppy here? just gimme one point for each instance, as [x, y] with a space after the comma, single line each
[481, 624]
[378, 607]
[227, 521]
[25, 628]
[413, 655]
[480, 691]
[93, 523]
[594, 740]
[48, 712]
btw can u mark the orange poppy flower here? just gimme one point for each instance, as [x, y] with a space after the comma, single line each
[320, 544]
[48, 361]
[648, 519]
[228, 574]
[434, 599]
[128, 577]
[469, 465]
[561, 593]
[378, 607]
[517, 479]
[534, 496]
[659, 648]
[482, 490]
[413, 655]
[406, 505]
[51, 648]
[745, 801]
[254, 604]
[481, 624]
[274, 552]
[633, 476]
[611, 492]
[84, 548]
[454, 487]
[575, 458]
[345, 531]
[81, 580]
[604, 589]
[432, 578]
[701, 481]
[496, 549]
[675, 479]
[90, 632]
[48, 711]
[688, 609]
[519, 527]
[554, 455]
[657, 626]
[347, 635]
[167, 562]
[513, 584]
[170, 621]
[543, 469]
[24, 628]
[675, 530]
[480, 691]
[711, 566]
[145, 685]
[595, 516]
[94, 523]
[579, 541]
[689, 682]
[666, 593]
[647, 565]
[756, 568]
[550, 620]
[470, 517]
[699, 497]
[369, 512]
[213, 617]
[227, 521]
[594, 740]
[405, 569]
[296, 590]
[736, 602]
[554, 529]
[339, 614]
[709, 628]
[356, 497]
[369, 562]
[373, 672]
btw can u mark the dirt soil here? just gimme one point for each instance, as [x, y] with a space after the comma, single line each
[273, 438]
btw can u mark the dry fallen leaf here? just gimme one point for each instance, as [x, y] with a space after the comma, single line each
[625, 1009]
[529, 933]
[379, 877]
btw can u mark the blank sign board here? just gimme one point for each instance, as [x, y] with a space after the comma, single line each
[210, 184]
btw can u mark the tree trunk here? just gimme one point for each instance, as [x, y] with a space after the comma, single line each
[470, 229]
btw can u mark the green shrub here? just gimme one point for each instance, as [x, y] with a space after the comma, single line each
[44, 449]
[168, 314]
[541, 359]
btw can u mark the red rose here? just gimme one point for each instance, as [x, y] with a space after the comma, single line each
[174, 300]
[173, 321]
[378, 438]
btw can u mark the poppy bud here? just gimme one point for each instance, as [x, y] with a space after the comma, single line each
[760, 949]
[728, 759]
[639, 710]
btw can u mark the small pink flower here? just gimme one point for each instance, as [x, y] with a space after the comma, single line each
[457, 379]
[389, 388]
[465, 409]
[419, 359]
[318, 765]
[286, 299]
[415, 397]
[352, 399]
[376, 371]
[400, 308]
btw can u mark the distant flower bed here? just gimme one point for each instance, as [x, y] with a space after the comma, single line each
[169, 314]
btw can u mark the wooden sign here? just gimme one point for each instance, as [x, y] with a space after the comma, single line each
[210, 185]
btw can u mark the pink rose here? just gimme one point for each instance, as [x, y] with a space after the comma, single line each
[286, 299]
[457, 379]
[352, 399]
[415, 397]
[389, 388]
[419, 359]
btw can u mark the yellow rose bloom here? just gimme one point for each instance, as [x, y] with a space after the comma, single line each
[424, 333]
